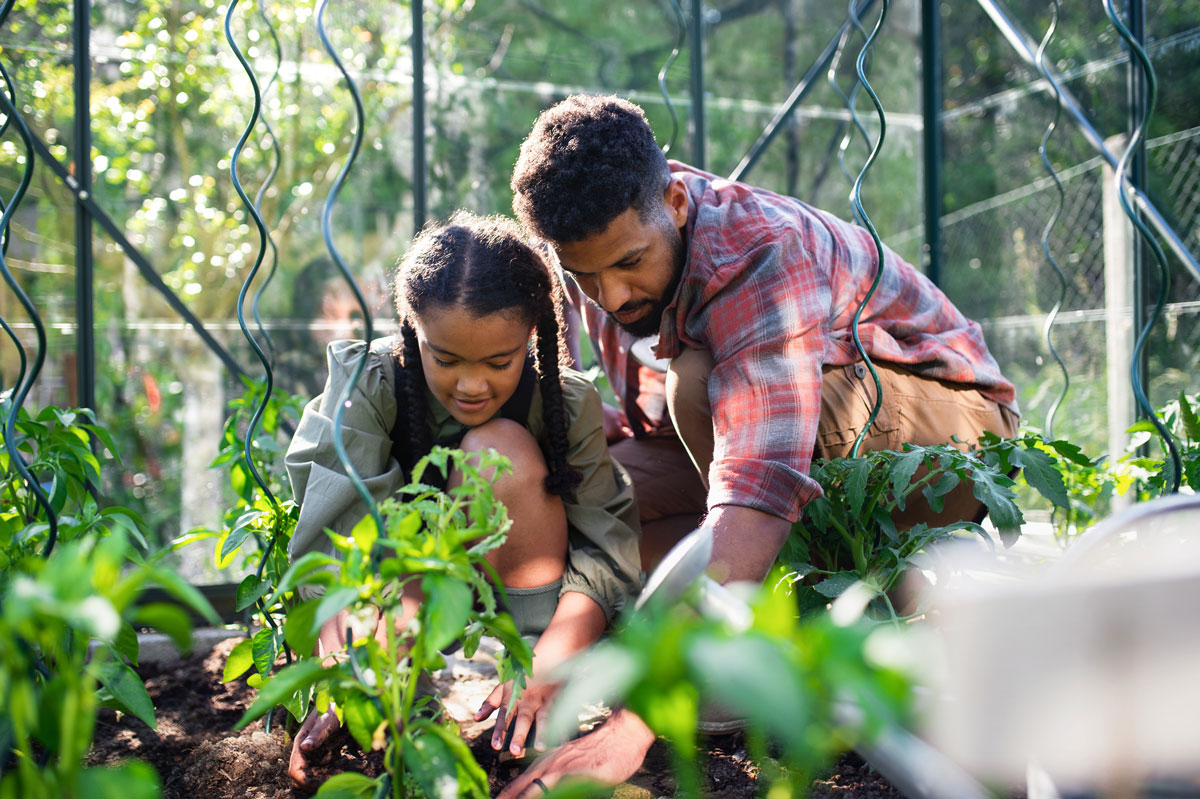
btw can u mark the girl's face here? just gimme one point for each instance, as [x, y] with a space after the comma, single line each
[472, 363]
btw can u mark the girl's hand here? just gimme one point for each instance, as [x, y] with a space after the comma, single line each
[530, 710]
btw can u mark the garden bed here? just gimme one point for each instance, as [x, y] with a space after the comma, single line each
[197, 753]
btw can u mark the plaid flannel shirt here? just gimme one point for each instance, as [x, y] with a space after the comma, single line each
[770, 288]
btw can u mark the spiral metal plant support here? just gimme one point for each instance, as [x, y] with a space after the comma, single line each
[1055, 9]
[860, 216]
[1160, 258]
[681, 24]
[251, 207]
[6, 239]
[276, 161]
[327, 232]
[263, 239]
[849, 100]
[29, 372]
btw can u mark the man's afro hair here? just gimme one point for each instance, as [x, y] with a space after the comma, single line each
[587, 160]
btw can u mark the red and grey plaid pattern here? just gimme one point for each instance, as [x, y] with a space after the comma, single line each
[770, 288]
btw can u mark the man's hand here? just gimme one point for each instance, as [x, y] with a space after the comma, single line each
[609, 756]
[616, 424]
[530, 710]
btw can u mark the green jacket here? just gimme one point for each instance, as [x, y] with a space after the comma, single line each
[602, 519]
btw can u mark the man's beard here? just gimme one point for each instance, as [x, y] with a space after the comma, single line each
[650, 322]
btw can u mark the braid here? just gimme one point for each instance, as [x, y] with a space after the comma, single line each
[562, 478]
[485, 266]
[414, 393]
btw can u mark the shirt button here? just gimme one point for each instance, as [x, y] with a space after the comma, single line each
[860, 370]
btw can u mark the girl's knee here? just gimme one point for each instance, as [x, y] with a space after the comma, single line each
[514, 442]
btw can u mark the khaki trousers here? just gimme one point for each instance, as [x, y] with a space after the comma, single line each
[917, 410]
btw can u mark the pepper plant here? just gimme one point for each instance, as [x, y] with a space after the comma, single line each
[258, 525]
[56, 446]
[788, 677]
[68, 612]
[433, 541]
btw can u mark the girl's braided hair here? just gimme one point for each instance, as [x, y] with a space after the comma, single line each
[484, 266]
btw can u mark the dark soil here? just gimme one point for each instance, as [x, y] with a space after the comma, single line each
[198, 755]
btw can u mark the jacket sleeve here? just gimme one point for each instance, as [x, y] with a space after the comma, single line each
[327, 498]
[603, 559]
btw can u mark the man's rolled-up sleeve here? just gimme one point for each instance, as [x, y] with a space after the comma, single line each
[768, 333]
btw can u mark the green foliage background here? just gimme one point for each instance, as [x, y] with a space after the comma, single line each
[168, 102]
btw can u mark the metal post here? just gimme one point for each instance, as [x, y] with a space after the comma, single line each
[931, 101]
[697, 57]
[418, 113]
[1136, 92]
[85, 345]
[1026, 47]
[806, 84]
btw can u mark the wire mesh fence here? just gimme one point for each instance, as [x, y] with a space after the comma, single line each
[1000, 276]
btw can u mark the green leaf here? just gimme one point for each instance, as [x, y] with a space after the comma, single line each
[1041, 472]
[106, 439]
[278, 688]
[241, 530]
[127, 643]
[239, 660]
[994, 491]
[754, 678]
[365, 534]
[430, 762]
[348, 785]
[605, 673]
[131, 522]
[469, 772]
[298, 573]
[856, 485]
[132, 780]
[903, 468]
[238, 480]
[58, 493]
[1071, 452]
[471, 639]
[331, 604]
[1142, 426]
[265, 648]
[298, 630]
[128, 691]
[169, 619]
[250, 590]
[1189, 418]
[502, 627]
[833, 585]
[445, 611]
[362, 719]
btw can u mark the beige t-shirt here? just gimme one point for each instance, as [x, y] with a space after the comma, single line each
[602, 520]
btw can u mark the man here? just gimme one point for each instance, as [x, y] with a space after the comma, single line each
[751, 296]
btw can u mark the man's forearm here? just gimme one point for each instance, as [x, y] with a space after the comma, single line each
[745, 542]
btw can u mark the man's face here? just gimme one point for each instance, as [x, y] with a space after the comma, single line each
[632, 268]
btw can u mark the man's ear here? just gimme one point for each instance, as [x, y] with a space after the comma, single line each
[675, 201]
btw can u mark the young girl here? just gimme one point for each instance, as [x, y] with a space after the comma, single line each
[470, 296]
